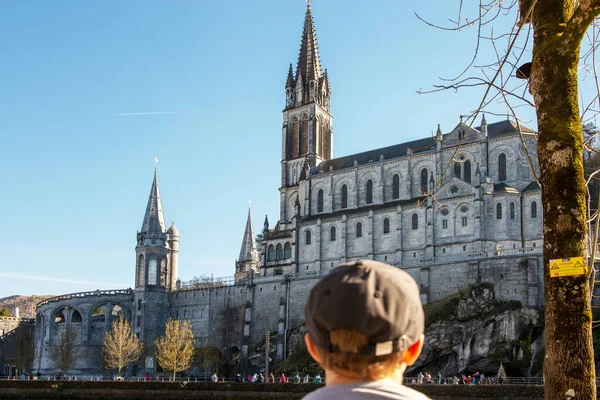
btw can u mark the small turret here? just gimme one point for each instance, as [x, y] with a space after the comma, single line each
[484, 130]
[289, 89]
[173, 240]
[266, 225]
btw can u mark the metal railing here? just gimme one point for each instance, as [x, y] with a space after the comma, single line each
[449, 380]
[410, 381]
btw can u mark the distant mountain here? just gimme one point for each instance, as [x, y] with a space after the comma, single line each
[26, 304]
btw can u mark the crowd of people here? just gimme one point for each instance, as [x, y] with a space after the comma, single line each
[260, 378]
[426, 378]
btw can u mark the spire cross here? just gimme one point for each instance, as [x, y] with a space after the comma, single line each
[155, 162]
[308, 2]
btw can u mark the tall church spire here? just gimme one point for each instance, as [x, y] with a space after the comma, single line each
[248, 251]
[154, 221]
[309, 64]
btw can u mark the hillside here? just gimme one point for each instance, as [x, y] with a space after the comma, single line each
[26, 304]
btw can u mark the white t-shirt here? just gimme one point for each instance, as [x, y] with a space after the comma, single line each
[381, 389]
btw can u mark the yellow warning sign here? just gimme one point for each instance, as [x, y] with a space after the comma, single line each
[567, 267]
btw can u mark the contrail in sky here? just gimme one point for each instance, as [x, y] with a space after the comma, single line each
[161, 112]
[9, 275]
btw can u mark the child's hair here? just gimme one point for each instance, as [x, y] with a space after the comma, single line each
[367, 367]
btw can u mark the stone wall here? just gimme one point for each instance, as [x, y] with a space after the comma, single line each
[232, 391]
[235, 317]
[16, 345]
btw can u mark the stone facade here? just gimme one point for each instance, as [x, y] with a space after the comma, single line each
[453, 210]
[16, 345]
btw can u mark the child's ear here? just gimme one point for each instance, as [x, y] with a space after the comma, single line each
[310, 346]
[413, 352]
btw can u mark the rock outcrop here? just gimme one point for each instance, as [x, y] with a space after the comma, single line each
[473, 331]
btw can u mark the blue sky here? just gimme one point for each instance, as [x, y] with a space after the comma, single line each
[76, 172]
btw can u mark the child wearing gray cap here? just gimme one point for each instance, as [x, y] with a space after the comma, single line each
[365, 326]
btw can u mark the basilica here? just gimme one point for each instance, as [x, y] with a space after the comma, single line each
[453, 209]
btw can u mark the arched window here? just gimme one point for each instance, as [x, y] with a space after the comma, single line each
[98, 316]
[307, 237]
[163, 272]
[533, 209]
[457, 170]
[60, 317]
[332, 233]
[304, 135]
[294, 140]
[369, 191]
[344, 196]
[467, 172]
[386, 225]
[396, 186]
[152, 271]
[512, 210]
[141, 270]
[76, 317]
[415, 221]
[271, 253]
[502, 167]
[358, 229]
[498, 211]
[278, 251]
[424, 177]
[287, 250]
[320, 201]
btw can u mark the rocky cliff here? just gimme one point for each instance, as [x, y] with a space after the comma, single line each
[473, 331]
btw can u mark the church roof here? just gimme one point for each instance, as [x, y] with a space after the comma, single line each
[504, 188]
[496, 129]
[154, 221]
[309, 63]
[505, 127]
[248, 251]
[532, 187]
[366, 157]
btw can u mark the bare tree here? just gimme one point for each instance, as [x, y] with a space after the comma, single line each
[208, 358]
[66, 352]
[175, 350]
[121, 346]
[552, 32]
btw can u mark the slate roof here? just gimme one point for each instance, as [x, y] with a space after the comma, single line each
[532, 187]
[248, 252]
[389, 152]
[496, 129]
[154, 221]
[504, 188]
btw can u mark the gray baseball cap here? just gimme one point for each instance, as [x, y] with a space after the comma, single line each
[374, 298]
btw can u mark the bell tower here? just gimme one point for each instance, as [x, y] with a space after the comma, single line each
[157, 253]
[307, 132]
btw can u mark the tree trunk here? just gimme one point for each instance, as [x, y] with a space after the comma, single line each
[569, 364]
